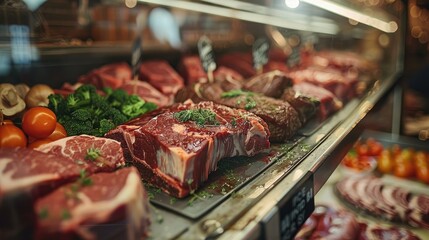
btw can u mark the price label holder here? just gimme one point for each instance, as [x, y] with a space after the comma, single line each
[285, 219]
[260, 53]
[206, 53]
[136, 56]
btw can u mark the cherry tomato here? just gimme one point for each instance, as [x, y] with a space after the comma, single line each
[385, 162]
[404, 170]
[375, 148]
[420, 159]
[39, 122]
[39, 142]
[422, 174]
[12, 136]
[58, 133]
[362, 150]
[7, 122]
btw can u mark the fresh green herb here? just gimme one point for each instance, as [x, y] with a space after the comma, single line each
[202, 195]
[86, 182]
[250, 103]
[65, 214]
[92, 154]
[200, 116]
[150, 195]
[173, 200]
[233, 122]
[233, 93]
[43, 214]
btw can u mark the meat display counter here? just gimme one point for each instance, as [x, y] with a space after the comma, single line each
[267, 196]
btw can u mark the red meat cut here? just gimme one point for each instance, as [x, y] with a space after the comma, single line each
[162, 76]
[328, 102]
[76, 148]
[111, 75]
[178, 156]
[25, 175]
[343, 86]
[79, 209]
[147, 92]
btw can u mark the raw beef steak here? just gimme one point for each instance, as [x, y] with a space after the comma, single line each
[162, 76]
[25, 175]
[79, 209]
[94, 154]
[177, 150]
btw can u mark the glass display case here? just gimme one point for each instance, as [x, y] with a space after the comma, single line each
[354, 48]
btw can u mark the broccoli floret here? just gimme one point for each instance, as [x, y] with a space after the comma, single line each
[115, 115]
[86, 91]
[82, 114]
[74, 127]
[117, 97]
[105, 126]
[135, 106]
[57, 103]
[108, 91]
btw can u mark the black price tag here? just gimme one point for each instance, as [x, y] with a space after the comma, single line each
[296, 207]
[206, 53]
[136, 57]
[260, 53]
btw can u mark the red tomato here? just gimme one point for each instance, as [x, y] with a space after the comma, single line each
[58, 133]
[12, 136]
[422, 174]
[420, 159]
[362, 150]
[385, 162]
[39, 142]
[375, 148]
[39, 122]
[404, 170]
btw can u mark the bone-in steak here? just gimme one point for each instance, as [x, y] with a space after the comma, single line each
[177, 150]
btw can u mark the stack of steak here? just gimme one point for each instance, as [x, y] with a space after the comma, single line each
[64, 187]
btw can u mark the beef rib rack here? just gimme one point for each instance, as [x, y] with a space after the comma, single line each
[176, 152]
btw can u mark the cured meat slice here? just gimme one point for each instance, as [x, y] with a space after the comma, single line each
[376, 231]
[389, 202]
[25, 175]
[111, 75]
[328, 102]
[177, 156]
[162, 76]
[78, 210]
[94, 154]
[147, 92]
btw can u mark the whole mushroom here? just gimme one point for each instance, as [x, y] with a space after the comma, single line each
[10, 101]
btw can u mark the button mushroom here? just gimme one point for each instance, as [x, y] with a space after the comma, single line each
[11, 103]
[38, 95]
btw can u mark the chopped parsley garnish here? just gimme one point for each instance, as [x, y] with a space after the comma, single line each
[233, 93]
[233, 122]
[200, 116]
[65, 214]
[43, 214]
[84, 180]
[250, 102]
[92, 154]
